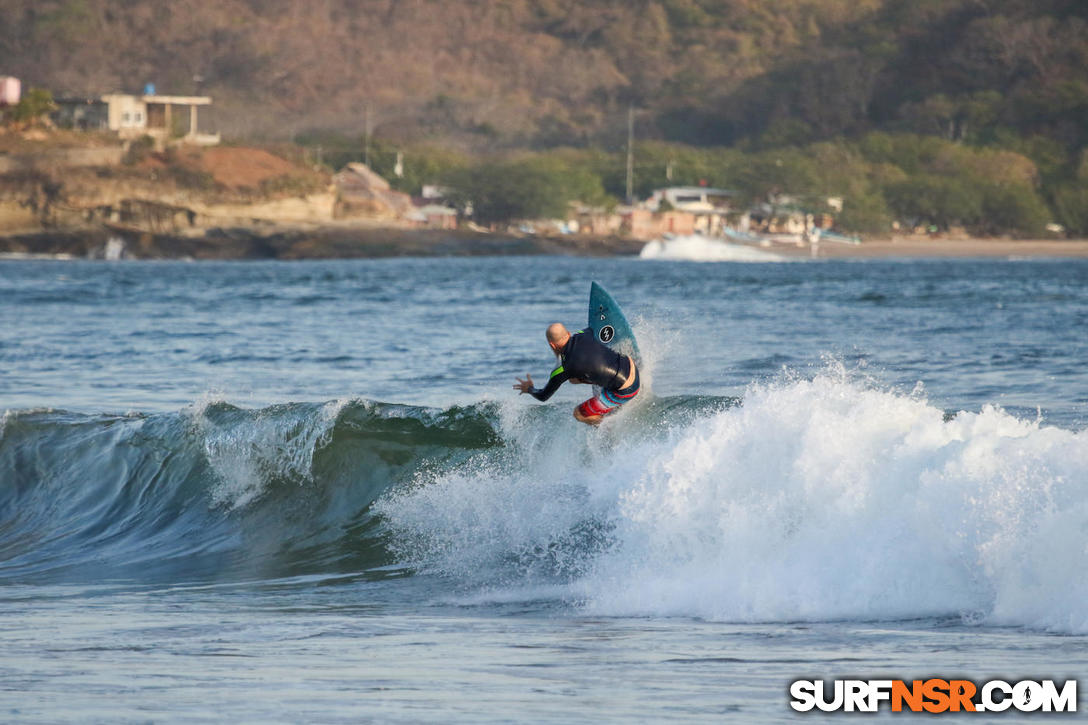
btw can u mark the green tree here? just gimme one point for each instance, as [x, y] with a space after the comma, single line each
[522, 188]
[421, 164]
[930, 199]
[37, 102]
[1071, 207]
[865, 213]
[1012, 208]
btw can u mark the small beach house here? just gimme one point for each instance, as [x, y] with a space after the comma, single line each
[132, 116]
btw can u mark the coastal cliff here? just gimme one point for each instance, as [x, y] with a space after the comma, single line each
[64, 194]
[81, 195]
[46, 186]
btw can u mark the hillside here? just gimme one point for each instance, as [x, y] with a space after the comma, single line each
[563, 72]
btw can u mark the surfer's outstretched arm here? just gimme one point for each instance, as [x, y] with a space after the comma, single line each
[558, 377]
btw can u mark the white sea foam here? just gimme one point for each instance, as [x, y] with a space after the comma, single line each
[246, 454]
[696, 248]
[817, 499]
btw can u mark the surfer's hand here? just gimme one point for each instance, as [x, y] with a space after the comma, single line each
[577, 381]
[524, 385]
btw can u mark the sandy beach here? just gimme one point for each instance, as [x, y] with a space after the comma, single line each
[937, 247]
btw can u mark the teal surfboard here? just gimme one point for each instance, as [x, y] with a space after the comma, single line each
[609, 325]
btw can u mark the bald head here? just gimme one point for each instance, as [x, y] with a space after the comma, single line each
[557, 336]
[556, 332]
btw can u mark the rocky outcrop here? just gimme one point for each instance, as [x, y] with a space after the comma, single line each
[337, 242]
[362, 193]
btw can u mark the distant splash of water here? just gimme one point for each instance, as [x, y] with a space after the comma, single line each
[813, 499]
[697, 248]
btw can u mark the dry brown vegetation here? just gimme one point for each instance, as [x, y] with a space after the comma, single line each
[936, 112]
[562, 72]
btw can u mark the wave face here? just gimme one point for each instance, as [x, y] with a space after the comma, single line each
[816, 499]
[215, 491]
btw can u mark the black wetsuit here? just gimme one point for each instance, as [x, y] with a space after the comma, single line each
[585, 358]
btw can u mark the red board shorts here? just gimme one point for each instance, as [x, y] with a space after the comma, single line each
[608, 401]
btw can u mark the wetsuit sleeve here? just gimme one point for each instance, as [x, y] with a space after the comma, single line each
[559, 376]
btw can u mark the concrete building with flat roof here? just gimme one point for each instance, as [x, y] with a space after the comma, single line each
[163, 118]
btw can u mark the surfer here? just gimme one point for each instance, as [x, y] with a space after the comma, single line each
[582, 359]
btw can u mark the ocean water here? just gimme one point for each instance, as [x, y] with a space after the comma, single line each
[306, 492]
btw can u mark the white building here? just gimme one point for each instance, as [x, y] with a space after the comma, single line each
[708, 205]
[695, 199]
[125, 114]
[135, 116]
[10, 90]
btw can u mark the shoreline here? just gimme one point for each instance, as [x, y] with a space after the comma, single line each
[297, 243]
[914, 247]
[375, 242]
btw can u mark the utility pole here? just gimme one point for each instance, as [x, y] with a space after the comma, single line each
[366, 135]
[630, 154]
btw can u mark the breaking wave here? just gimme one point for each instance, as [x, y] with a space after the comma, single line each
[813, 499]
[819, 499]
[697, 248]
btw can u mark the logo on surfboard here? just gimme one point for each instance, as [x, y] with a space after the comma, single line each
[606, 334]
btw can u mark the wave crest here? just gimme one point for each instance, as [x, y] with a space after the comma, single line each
[817, 499]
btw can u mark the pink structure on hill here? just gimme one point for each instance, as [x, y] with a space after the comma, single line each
[10, 90]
